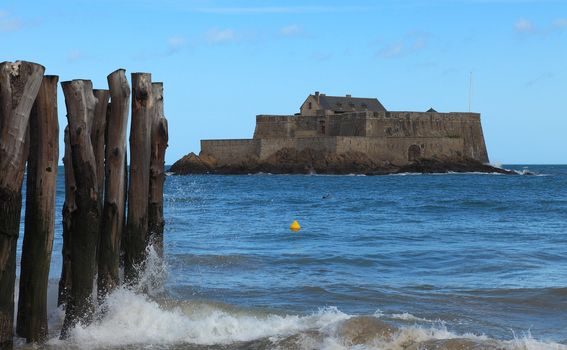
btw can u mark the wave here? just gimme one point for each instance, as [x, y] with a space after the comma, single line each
[143, 316]
[133, 320]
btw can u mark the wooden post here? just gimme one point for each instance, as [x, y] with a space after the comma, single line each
[123, 240]
[69, 208]
[114, 200]
[140, 148]
[80, 103]
[40, 213]
[19, 85]
[98, 141]
[159, 138]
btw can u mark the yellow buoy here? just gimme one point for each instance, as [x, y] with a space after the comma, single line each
[294, 226]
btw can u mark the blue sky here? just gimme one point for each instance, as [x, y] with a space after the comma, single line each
[224, 61]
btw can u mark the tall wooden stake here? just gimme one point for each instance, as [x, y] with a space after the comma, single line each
[40, 213]
[159, 137]
[114, 200]
[140, 148]
[19, 85]
[98, 139]
[80, 102]
[69, 208]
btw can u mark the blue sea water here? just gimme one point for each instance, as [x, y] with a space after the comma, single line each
[481, 257]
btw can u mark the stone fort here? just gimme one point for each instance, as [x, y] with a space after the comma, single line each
[342, 124]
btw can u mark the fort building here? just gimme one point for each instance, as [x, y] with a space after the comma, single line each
[338, 125]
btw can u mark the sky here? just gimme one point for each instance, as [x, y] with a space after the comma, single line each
[224, 61]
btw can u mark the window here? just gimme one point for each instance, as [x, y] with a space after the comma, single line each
[309, 105]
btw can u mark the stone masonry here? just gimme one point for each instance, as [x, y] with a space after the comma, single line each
[339, 125]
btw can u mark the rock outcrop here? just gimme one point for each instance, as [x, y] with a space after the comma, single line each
[309, 161]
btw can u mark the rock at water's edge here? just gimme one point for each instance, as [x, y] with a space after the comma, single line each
[291, 161]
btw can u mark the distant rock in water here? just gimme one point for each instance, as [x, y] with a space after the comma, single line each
[309, 161]
[191, 164]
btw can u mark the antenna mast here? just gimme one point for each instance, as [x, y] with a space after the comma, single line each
[470, 90]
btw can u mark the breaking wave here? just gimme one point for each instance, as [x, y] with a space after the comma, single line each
[143, 316]
[134, 320]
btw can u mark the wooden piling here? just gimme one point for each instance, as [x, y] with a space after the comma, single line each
[80, 102]
[98, 140]
[159, 138]
[19, 85]
[140, 148]
[69, 208]
[115, 189]
[40, 213]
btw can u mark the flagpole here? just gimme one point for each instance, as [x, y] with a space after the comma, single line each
[470, 90]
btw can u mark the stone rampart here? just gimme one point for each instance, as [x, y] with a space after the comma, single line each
[395, 137]
[402, 150]
[395, 150]
[274, 126]
[270, 146]
[230, 151]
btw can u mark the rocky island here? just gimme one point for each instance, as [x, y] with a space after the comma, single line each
[348, 135]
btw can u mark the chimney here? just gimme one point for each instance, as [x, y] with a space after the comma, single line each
[317, 96]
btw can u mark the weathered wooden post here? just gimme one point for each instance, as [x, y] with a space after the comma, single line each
[159, 138]
[69, 208]
[40, 213]
[115, 190]
[123, 240]
[98, 130]
[140, 148]
[80, 102]
[19, 85]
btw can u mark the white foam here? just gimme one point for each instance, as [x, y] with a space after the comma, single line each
[131, 318]
[134, 319]
[409, 317]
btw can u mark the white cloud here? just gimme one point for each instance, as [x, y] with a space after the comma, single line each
[8, 23]
[176, 41]
[560, 23]
[412, 43]
[75, 56]
[220, 36]
[527, 27]
[524, 26]
[291, 30]
[393, 50]
[175, 44]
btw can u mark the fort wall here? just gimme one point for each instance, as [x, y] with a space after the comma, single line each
[348, 124]
[274, 126]
[396, 150]
[395, 137]
[230, 151]
[270, 146]
[401, 151]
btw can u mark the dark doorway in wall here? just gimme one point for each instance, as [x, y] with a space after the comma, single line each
[414, 152]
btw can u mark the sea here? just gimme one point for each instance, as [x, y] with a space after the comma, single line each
[406, 261]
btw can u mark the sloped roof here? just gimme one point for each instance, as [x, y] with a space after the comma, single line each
[431, 110]
[350, 104]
